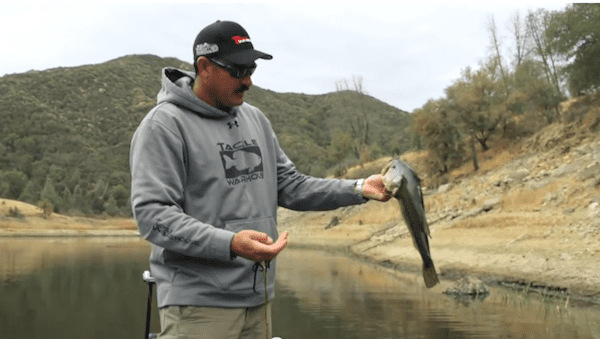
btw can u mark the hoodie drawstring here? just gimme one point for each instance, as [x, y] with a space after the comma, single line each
[258, 266]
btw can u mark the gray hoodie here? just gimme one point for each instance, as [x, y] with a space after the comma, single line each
[199, 175]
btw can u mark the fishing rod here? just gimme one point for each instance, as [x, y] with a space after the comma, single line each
[151, 282]
[147, 277]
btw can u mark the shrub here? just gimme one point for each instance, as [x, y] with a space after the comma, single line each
[14, 212]
[46, 208]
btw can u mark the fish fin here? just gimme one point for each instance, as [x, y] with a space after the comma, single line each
[426, 229]
[430, 276]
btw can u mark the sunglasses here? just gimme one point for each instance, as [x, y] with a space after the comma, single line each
[236, 72]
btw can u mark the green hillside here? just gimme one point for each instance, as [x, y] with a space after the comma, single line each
[65, 132]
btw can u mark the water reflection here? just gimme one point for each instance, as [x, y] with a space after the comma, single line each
[92, 288]
[71, 288]
[346, 299]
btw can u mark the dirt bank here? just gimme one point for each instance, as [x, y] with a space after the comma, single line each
[538, 250]
[529, 217]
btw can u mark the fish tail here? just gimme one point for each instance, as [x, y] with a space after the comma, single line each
[430, 275]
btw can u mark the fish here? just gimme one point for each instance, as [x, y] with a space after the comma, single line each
[243, 160]
[405, 185]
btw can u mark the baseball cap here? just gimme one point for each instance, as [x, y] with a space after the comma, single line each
[228, 41]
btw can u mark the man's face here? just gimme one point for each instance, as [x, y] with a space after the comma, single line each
[223, 90]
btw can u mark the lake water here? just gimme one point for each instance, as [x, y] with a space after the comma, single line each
[92, 288]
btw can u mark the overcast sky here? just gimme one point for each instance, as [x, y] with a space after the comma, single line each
[406, 52]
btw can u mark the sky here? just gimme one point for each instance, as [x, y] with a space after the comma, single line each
[405, 52]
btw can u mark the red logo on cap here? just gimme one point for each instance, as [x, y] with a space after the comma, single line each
[240, 39]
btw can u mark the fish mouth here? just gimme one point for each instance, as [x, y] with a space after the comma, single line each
[392, 186]
[394, 191]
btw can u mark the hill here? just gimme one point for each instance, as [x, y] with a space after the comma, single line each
[65, 132]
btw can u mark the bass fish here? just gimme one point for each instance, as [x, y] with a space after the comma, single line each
[404, 184]
[242, 161]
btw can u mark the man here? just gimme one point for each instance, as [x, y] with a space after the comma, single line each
[207, 177]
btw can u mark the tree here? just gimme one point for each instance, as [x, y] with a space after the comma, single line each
[496, 45]
[357, 117]
[49, 195]
[3, 156]
[74, 179]
[531, 91]
[97, 196]
[80, 202]
[476, 102]
[31, 193]
[25, 164]
[442, 138]
[120, 194]
[537, 24]
[111, 207]
[57, 174]
[522, 49]
[340, 146]
[66, 202]
[14, 182]
[46, 208]
[575, 33]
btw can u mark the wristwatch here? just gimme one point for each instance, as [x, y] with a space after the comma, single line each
[358, 189]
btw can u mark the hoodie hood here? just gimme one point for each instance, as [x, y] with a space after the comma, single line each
[177, 89]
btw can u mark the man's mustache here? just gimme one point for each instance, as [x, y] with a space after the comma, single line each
[242, 89]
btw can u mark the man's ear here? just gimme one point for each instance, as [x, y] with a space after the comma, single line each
[203, 64]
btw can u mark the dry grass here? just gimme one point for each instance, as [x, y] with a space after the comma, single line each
[25, 209]
[500, 152]
[33, 218]
[363, 171]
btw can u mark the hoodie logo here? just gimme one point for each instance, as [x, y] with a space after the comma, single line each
[242, 162]
[234, 123]
[240, 39]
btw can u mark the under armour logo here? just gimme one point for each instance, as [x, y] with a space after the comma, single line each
[231, 124]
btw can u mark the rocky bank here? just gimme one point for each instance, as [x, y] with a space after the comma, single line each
[529, 218]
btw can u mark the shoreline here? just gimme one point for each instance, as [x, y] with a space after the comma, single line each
[574, 296]
[57, 233]
[533, 247]
[547, 264]
[378, 254]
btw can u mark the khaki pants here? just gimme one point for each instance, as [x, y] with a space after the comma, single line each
[191, 322]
